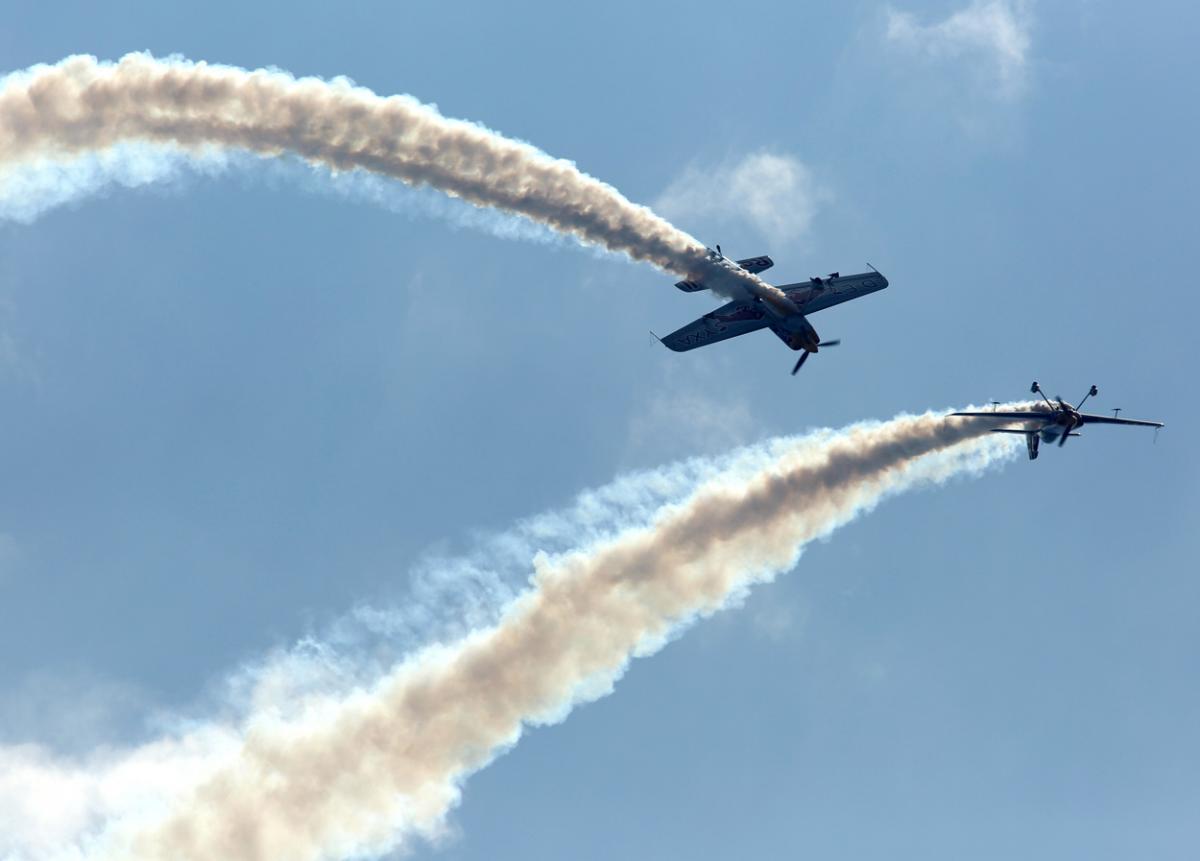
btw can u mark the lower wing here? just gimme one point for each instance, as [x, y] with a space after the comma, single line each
[1027, 416]
[728, 321]
[1110, 420]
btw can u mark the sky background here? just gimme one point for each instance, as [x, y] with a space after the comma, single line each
[233, 408]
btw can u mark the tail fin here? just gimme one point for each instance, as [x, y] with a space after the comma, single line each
[1031, 439]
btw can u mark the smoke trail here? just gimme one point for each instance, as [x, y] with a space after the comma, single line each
[365, 771]
[81, 106]
[31, 189]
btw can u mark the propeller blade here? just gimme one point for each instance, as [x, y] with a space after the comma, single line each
[1062, 440]
[832, 343]
[800, 362]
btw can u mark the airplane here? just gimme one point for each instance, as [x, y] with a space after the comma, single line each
[783, 309]
[1057, 423]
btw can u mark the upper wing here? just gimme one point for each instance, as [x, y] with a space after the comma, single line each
[810, 296]
[1028, 416]
[1110, 420]
[754, 265]
[728, 321]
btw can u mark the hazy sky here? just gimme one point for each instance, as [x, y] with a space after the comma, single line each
[236, 407]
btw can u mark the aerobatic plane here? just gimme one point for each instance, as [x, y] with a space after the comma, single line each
[1056, 423]
[785, 313]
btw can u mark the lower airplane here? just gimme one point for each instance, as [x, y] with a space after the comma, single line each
[1057, 423]
[785, 315]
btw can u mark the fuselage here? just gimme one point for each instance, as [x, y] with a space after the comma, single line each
[811, 296]
[728, 278]
[1064, 420]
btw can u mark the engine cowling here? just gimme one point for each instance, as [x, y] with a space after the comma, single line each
[795, 331]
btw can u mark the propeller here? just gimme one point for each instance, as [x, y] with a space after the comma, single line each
[804, 356]
[1062, 440]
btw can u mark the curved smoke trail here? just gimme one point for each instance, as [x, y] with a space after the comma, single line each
[364, 771]
[81, 106]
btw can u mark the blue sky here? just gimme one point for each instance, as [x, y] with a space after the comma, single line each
[237, 407]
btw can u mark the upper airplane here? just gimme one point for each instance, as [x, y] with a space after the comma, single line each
[785, 314]
[1057, 423]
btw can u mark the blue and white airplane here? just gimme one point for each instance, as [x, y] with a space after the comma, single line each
[784, 309]
[1055, 421]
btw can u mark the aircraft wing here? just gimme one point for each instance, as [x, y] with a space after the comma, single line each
[1028, 416]
[1110, 420]
[811, 296]
[728, 321]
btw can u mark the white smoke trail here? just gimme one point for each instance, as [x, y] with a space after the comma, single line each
[32, 189]
[80, 107]
[363, 771]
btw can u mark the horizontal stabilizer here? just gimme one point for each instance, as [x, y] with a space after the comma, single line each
[754, 265]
